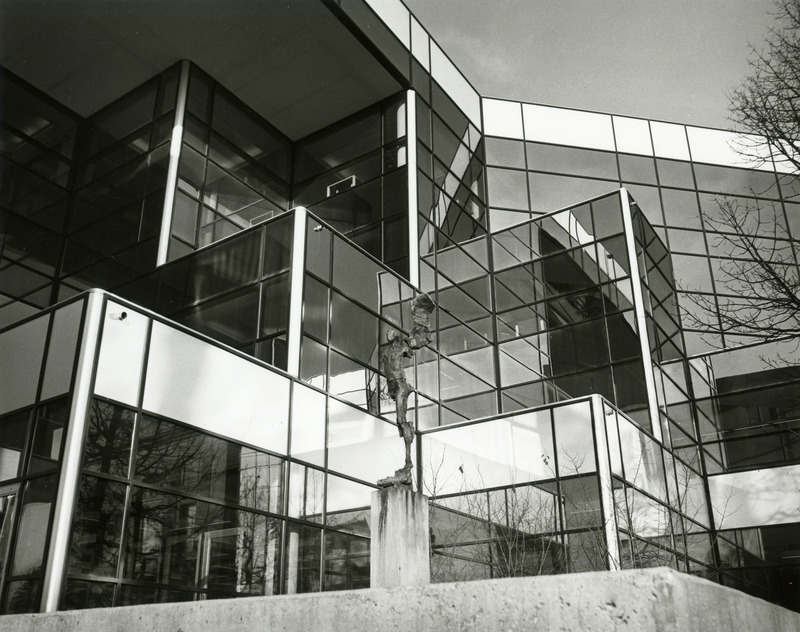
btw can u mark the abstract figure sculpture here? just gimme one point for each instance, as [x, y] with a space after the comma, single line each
[399, 348]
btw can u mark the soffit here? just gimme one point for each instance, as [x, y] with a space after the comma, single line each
[291, 61]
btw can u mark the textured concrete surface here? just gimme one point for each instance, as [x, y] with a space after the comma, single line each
[399, 538]
[636, 601]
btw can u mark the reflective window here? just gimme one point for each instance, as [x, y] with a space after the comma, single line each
[347, 318]
[306, 493]
[176, 540]
[61, 351]
[505, 153]
[360, 445]
[34, 517]
[13, 431]
[574, 438]
[347, 505]
[49, 433]
[97, 529]
[587, 551]
[179, 458]
[347, 562]
[303, 559]
[736, 181]
[507, 188]
[581, 502]
[674, 173]
[20, 379]
[637, 169]
[108, 440]
[550, 192]
[569, 160]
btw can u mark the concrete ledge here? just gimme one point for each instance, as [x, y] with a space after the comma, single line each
[642, 600]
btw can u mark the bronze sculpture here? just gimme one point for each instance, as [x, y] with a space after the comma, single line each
[396, 384]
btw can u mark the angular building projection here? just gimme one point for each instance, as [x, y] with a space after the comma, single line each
[211, 220]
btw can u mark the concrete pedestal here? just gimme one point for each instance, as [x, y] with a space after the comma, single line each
[400, 539]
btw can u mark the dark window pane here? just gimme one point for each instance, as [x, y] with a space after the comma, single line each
[136, 595]
[581, 502]
[356, 275]
[313, 362]
[98, 527]
[587, 383]
[346, 562]
[587, 551]
[34, 523]
[607, 214]
[22, 596]
[622, 337]
[278, 246]
[680, 208]
[108, 442]
[48, 436]
[578, 347]
[81, 594]
[12, 443]
[275, 306]
[230, 319]
[318, 249]
[631, 387]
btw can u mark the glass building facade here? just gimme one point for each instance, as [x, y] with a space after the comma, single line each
[199, 269]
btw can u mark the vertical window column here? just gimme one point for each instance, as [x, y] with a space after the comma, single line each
[296, 291]
[73, 451]
[413, 213]
[638, 308]
[600, 419]
[174, 159]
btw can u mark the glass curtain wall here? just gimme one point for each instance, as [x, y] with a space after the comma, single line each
[351, 301]
[234, 168]
[354, 176]
[35, 396]
[682, 198]
[529, 500]
[565, 310]
[114, 224]
[519, 495]
[203, 473]
[236, 291]
[37, 162]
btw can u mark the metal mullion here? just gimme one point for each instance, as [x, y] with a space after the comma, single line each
[63, 511]
[172, 169]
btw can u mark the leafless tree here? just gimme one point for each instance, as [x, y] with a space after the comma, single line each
[760, 293]
[767, 103]
[758, 289]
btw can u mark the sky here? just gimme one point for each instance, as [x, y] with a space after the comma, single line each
[673, 60]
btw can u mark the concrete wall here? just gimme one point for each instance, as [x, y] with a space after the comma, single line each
[641, 601]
